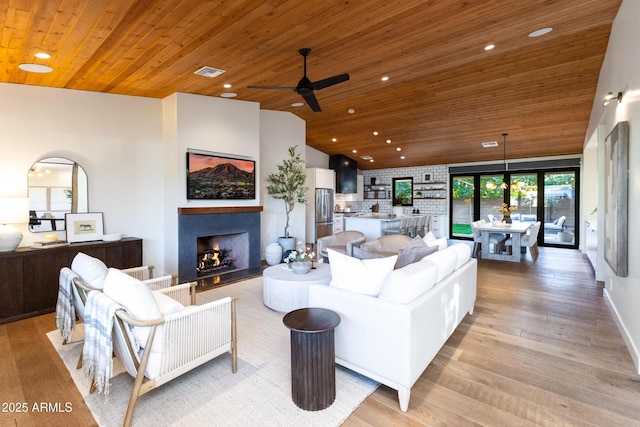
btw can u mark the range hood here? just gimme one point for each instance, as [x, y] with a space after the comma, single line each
[346, 173]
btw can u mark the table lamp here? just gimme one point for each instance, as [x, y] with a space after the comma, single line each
[13, 210]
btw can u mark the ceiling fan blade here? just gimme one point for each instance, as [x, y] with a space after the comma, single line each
[321, 84]
[272, 87]
[312, 101]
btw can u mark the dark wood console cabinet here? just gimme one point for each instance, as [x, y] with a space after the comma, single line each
[29, 277]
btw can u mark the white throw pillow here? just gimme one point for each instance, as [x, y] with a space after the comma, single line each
[407, 283]
[166, 304]
[90, 269]
[364, 276]
[463, 253]
[445, 260]
[136, 298]
[431, 240]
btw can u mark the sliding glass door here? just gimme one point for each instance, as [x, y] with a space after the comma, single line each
[546, 196]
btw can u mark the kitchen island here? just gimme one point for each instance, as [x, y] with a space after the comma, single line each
[372, 225]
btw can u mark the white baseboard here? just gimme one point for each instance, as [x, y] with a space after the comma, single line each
[635, 354]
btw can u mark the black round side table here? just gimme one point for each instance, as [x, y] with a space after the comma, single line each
[313, 367]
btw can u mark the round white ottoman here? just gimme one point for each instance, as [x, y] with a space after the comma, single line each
[285, 291]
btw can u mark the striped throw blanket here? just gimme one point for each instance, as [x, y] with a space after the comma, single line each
[99, 314]
[65, 312]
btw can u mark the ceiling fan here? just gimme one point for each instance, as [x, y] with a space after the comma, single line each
[305, 87]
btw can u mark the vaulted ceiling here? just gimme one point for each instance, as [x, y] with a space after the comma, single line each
[445, 94]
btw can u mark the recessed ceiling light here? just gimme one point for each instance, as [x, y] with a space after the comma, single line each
[375, 133]
[226, 85]
[388, 141]
[297, 104]
[229, 95]
[489, 46]
[384, 78]
[351, 110]
[42, 55]
[371, 161]
[354, 151]
[35, 68]
[541, 32]
[333, 139]
[398, 149]
[402, 157]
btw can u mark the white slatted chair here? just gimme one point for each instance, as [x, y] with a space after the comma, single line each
[401, 229]
[143, 272]
[421, 226]
[529, 240]
[176, 342]
[411, 226]
[185, 294]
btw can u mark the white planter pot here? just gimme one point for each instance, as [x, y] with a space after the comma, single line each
[273, 254]
[288, 244]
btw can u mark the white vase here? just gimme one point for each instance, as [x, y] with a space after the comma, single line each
[273, 254]
[301, 267]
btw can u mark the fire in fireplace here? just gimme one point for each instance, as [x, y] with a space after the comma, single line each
[215, 261]
[221, 254]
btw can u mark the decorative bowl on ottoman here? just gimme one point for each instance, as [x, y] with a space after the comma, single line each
[301, 267]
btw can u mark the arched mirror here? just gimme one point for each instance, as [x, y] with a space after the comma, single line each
[57, 186]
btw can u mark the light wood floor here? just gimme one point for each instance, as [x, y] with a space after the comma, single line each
[542, 348]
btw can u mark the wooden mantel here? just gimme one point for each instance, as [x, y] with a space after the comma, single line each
[218, 210]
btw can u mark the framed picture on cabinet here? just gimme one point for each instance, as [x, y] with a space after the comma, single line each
[84, 227]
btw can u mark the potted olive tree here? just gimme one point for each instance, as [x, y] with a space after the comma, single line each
[288, 184]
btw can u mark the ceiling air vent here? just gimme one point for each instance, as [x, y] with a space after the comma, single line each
[366, 157]
[209, 72]
[490, 144]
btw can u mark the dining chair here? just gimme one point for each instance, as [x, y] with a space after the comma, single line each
[529, 240]
[495, 239]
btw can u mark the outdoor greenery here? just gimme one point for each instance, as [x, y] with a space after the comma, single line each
[288, 183]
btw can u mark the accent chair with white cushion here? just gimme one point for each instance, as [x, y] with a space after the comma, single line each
[342, 241]
[555, 226]
[529, 240]
[496, 240]
[157, 339]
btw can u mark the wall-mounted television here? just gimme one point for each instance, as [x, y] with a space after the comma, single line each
[216, 176]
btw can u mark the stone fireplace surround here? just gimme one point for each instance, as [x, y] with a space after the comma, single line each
[211, 221]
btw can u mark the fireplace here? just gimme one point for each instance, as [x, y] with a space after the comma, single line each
[218, 245]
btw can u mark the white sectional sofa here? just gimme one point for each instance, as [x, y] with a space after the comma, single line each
[392, 336]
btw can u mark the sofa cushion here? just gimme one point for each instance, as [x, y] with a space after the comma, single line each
[445, 260]
[90, 269]
[463, 253]
[414, 251]
[362, 276]
[402, 260]
[431, 240]
[406, 284]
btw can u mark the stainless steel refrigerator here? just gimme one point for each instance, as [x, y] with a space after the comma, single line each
[323, 212]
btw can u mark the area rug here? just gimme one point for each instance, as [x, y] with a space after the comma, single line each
[211, 395]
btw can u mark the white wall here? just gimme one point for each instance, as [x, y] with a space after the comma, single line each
[116, 139]
[278, 132]
[621, 72]
[133, 150]
[210, 124]
[316, 158]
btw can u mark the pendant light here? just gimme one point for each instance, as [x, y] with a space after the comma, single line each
[492, 185]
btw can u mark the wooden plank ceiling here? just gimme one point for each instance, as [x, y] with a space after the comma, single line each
[445, 94]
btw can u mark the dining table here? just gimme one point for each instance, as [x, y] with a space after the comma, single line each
[515, 229]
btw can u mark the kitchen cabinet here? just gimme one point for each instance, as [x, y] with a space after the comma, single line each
[338, 222]
[320, 178]
[29, 278]
[591, 242]
[438, 225]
